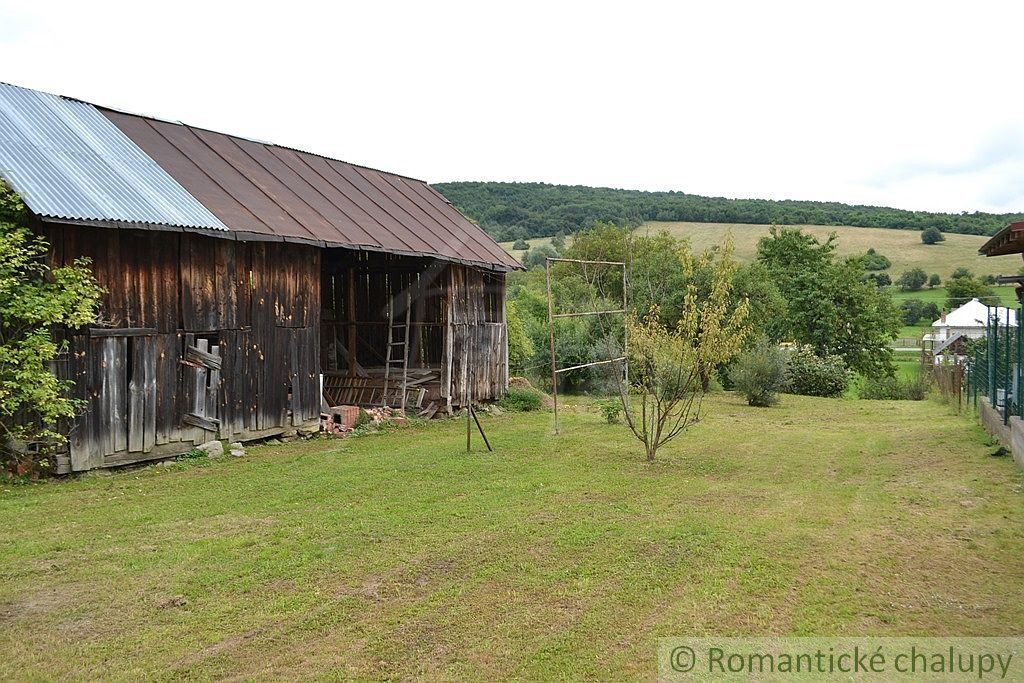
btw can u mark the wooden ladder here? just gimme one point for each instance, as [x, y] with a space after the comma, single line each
[394, 363]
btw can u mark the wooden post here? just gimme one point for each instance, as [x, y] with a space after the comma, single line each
[351, 309]
[625, 333]
[551, 339]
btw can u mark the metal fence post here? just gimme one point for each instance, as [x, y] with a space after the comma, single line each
[1006, 369]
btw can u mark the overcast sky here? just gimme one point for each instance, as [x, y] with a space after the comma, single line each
[915, 105]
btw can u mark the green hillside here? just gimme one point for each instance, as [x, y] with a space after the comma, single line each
[510, 211]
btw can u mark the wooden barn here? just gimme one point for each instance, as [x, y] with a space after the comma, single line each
[247, 284]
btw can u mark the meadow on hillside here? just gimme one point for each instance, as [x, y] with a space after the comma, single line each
[903, 247]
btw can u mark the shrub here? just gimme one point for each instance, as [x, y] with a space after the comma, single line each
[814, 375]
[521, 245]
[363, 419]
[912, 280]
[611, 409]
[895, 388]
[760, 374]
[932, 236]
[879, 279]
[521, 400]
[35, 301]
[934, 280]
[872, 260]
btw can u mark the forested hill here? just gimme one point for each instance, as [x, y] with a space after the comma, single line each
[509, 211]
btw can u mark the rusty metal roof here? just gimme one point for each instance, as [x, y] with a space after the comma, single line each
[264, 191]
[1009, 240]
[67, 161]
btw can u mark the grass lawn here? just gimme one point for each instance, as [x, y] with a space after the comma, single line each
[903, 247]
[399, 555]
[1007, 295]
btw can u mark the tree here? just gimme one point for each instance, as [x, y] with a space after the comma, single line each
[932, 236]
[663, 396]
[520, 346]
[537, 256]
[961, 272]
[912, 280]
[828, 307]
[960, 290]
[521, 245]
[35, 300]
[916, 311]
[760, 374]
[934, 280]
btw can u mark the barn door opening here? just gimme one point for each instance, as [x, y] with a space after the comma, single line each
[201, 386]
[117, 379]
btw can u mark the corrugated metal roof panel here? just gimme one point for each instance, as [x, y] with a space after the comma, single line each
[68, 161]
[287, 194]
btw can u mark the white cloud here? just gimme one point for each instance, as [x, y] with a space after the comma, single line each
[872, 102]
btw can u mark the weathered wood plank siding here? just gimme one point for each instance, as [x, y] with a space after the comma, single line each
[200, 338]
[479, 346]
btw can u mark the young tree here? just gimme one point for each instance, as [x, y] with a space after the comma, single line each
[934, 280]
[34, 300]
[932, 236]
[664, 393]
[912, 280]
[961, 272]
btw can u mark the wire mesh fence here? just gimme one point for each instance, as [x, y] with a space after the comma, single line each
[994, 366]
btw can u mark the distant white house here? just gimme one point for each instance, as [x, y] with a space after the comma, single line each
[970, 320]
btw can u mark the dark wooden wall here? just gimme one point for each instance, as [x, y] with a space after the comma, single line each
[477, 334]
[201, 338]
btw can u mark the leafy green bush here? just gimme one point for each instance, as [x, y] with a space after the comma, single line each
[895, 388]
[521, 400]
[35, 300]
[760, 374]
[912, 280]
[363, 419]
[611, 409]
[814, 375]
[872, 260]
[521, 245]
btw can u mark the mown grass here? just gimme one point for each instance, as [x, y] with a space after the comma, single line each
[903, 247]
[400, 556]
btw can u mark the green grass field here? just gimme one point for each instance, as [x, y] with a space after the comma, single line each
[400, 556]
